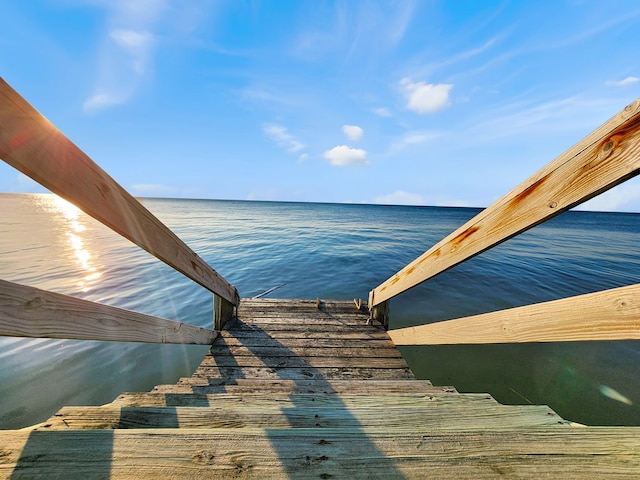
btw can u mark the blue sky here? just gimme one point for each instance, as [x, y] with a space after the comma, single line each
[407, 102]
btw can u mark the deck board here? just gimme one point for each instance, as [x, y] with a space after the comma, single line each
[289, 390]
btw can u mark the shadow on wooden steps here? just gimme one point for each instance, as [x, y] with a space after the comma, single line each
[275, 399]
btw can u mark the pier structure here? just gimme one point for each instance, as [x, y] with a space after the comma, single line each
[289, 390]
[315, 388]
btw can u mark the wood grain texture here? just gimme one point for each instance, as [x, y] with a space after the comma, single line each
[608, 315]
[394, 415]
[292, 418]
[320, 453]
[250, 386]
[30, 312]
[608, 156]
[290, 398]
[34, 146]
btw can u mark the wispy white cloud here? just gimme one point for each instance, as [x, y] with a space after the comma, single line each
[127, 50]
[354, 29]
[342, 156]
[414, 138]
[398, 23]
[382, 112]
[303, 157]
[425, 97]
[353, 132]
[282, 137]
[526, 119]
[101, 100]
[400, 197]
[623, 83]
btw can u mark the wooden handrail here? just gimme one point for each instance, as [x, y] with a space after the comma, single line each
[30, 312]
[31, 144]
[608, 156]
[608, 315]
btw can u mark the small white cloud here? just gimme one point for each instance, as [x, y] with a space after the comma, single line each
[623, 83]
[280, 135]
[342, 156]
[382, 112]
[426, 97]
[400, 197]
[303, 157]
[353, 132]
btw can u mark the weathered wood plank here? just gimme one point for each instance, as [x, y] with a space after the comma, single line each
[608, 156]
[302, 318]
[279, 334]
[401, 415]
[225, 341]
[249, 386]
[302, 329]
[294, 303]
[320, 453]
[30, 312]
[168, 399]
[301, 362]
[608, 315]
[220, 350]
[31, 144]
[319, 373]
[434, 400]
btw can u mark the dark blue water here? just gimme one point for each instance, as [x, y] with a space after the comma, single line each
[318, 250]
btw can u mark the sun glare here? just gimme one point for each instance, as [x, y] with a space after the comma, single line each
[74, 219]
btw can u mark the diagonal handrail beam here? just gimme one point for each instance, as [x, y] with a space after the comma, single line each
[31, 312]
[605, 158]
[34, 146]
[607, 315]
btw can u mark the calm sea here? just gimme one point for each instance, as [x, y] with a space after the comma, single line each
[317, 250]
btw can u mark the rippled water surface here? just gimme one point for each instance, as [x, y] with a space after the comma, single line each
[317, 250]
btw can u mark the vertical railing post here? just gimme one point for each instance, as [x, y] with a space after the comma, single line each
[223, 310]
[380, 312]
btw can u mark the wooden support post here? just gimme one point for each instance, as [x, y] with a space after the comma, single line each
[379, 312]
[223, 311]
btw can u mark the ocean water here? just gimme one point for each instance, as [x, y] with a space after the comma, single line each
[317, 250]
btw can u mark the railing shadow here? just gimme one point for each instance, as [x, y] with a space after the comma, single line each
[307, 451]
[66, 454]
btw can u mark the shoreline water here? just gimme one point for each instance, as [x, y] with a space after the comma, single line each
[336, 251]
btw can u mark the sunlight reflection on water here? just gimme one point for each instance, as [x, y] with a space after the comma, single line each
[72, 220]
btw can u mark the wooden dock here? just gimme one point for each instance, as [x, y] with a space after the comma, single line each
[290, 390]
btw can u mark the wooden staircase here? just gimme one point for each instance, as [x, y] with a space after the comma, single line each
[293, 389]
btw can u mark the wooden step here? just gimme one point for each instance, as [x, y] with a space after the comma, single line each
[305, 373]
[253, 385]
[396, 415]
[291, 361]
[284, 400]
[302, 330]
[381, 342]
[361, 452]
[285, 387]
[347, 350]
